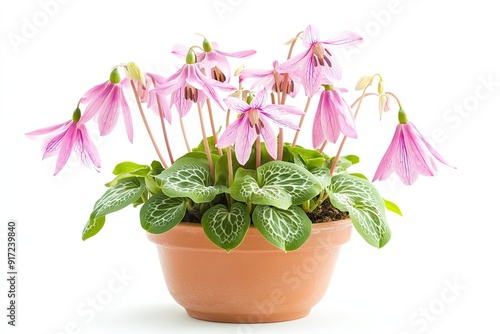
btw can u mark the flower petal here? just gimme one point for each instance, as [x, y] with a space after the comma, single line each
[259, 100]
[318, 138]
[236, 104]
[344, 38]
[89, 147]
[245, 138]
[311, 76]
[228, 137]
[310, 36]
[386, 166]
[66, 147]
[48, 129]
[269, 138]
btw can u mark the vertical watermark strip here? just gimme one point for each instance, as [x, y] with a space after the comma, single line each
[12, 276]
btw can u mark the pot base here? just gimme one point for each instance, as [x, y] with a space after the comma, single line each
[251, 318]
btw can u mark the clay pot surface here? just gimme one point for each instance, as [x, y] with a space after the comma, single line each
[256, 282]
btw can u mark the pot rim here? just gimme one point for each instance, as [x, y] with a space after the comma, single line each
[195, 230]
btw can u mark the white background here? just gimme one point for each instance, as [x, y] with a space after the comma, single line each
[438, 58]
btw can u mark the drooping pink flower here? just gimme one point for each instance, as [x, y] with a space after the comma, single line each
[155, 99]
[333, 116]
[67, 137]
[189, 85]
[106, 101]
[409, 155]
[255, 119]
[267, 79]
[318, 63]
[213, 60]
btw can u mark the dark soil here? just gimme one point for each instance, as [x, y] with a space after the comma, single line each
[326, 212]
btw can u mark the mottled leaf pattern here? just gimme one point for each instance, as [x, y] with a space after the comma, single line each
[125, 192]
[285, 229]
[161, 213]
[365, 206]
[226, 228]
[188, 177]
[93, 227]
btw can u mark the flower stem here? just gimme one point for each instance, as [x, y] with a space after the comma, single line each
[281, 144]
[153, 141]
[163, 126]
[212, 125]
[184, 135]
[205, 143]
[257, 152]
[301, 122]
[395, 97]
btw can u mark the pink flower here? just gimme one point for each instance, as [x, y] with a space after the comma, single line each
[267, 79]
[318, 63]
[154, 99]
[255, 120]
[333, 116]
[69, 136]
[213, 60]
[106, 101]
[189, 85]
[409, 154]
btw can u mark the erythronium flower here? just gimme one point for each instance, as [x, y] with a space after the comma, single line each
[333, 116]
[69, 136]
[213, 59]
[154, 99]
[255, 120]
[189, 85]
[267, 79]
[318, 63]
[409, 154]
[106, 101]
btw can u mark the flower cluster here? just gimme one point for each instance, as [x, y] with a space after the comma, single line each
[253, 178]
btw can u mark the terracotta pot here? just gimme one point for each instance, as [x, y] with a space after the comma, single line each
[255, 282]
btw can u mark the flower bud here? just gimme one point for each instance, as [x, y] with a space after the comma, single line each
[383, 104]
[76, 115]
[134, 72]
[191, 57]
[207, 46]
[381, 87]
[403, 119]
[239, 70]
[114, 77]
[363, 82]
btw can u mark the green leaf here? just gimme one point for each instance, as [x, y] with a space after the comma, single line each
[93, 227]
[188, 177]
[226, 228]
[392, 207]
[221, 169]
[129, 167]
[323, 175]
[125, 192]
[246, 189]
[161, 213]
[298, 182]
[354, 159]
[126, 170]
[285, 229]
[365, 206]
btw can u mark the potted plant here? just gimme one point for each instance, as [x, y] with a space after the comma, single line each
[236, 216]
